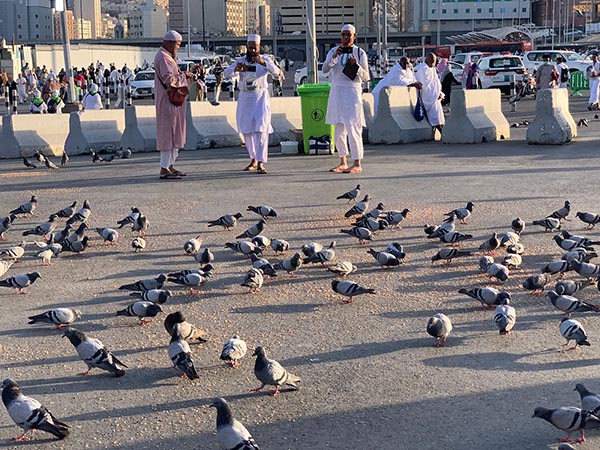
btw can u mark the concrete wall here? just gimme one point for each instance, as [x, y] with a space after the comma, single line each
[286, 114]
[140, 128]
[553, 123]
[94, 129]
[21, 137]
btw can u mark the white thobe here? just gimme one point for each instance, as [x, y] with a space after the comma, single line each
[430, 93]
[397, 76]
[41, 109]
[22, 89]
[92, 101]
[594, 83]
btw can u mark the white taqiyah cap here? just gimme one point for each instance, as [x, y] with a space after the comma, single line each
[349, 28]
[173, 36]
[254, 38]
[94, 87]
[36, 93]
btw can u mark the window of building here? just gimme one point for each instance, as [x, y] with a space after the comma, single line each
[36, 16]
[479, 10]
[433, 11]
[455, 10]
[36, 25]
[514, 10]
[19, 26]
[467, 22]
[523, 9]
[502, 10]
[467, 10]
[444, 11]
[478, 21]
[491, 10]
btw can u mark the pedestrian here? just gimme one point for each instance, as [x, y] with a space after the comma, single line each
[37, 104]
[593, 73]
[170, 118]
[253, 114]
[92, 100]
[196, 86]
[473, 76]
[22, 88]
[12, 89]
[55, 103]
[563, 72]
[217, 71]
[401, 74]
[546, 75]
[348, 65]
[431, 91]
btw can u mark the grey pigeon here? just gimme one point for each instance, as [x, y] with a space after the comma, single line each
[141, 225]
[145, 284]
[384, 259]
[290, 265]
[191, 280]
[556, 267]
[572, 330]
[491, 244]
[579, 254]
[372, 224]
[243, 247]
[310, 249]
[362, 234]
[430, 229]
[5, 225]
[205, 272]
[569, 304]
[181, 355]
[587, 270]
[231, 434]
[505, 317]
[397, 250]
[264, 211]
[350, 289]
[568, 244]
[29, 414]
[360, 208]
[254, 230]
[253, 280]
[78, 234]
[518, 225]
[350, 195]
[322, 256]
[376, 212]
[439, 326]
[49, 164]
[264, 265]
[159, 296]
[64, 159]
[109, 235]
[280, 246]
[448, 254]
[455, 237]
[43, 229]
[342, 268]
[67, 212]
[28, 163]
[187, 330]
[94, 354]
[568, 419]
[61, 317]
[570, 287]
[462, 213]
[82, 215]
[536, 283]
[192, 246]
[131, 218]
[21, 281]
[561, 213]
[233, 350]
[228, 221]
[270, 372]
[395, 217]
[26, 208]
[509, 238]
[581, 241]
[589, 401]
[484, 263]
[141, 310]
[448, 226]
[549, 224]
[206, 257]
[589, 218]
[488, 296]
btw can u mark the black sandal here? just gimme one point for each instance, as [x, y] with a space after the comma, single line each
[251, 168]
[169, 176]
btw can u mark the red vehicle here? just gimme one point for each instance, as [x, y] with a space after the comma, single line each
[444, 51]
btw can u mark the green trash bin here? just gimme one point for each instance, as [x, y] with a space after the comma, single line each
[313, 98]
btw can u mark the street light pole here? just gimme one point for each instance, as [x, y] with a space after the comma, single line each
[203, 26]
[60, 7]
[189, 30]
[311, 42]
[438, 21]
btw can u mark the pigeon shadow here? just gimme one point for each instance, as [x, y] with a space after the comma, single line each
[294, 308]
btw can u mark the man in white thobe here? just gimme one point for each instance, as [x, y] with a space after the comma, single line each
[594, 82]
[253, 114]
[401, 74]
[21, 88]
[345, 106]
[431, 91]
[564, 75]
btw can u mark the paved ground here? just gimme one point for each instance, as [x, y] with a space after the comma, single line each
[371, 378]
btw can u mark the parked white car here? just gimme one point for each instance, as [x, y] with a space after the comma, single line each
[497, 71]
[575, 61]
[464, 58]
[301, 74]
[143, 84]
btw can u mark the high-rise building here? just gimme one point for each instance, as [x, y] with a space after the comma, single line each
[221, 17]
[88, 10]
[264, 19]
[70, 25]
[148, 20]
[26, 20]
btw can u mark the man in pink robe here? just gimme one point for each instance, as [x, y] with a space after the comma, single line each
[170, 119]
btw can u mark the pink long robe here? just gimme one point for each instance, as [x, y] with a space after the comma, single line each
[170, 119]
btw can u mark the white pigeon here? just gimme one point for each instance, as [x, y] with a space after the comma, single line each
[234, 349]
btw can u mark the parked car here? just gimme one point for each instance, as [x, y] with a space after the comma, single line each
[143, 84]
[456, 70]
[574, 60]
[496, 71]
[211, 82]
[301, 74]
[463, 58]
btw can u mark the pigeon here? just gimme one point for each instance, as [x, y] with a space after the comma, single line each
[261, 241]
[549, 224]
[234, 349]
[29, 414]
[253, 280]
[572, 330]
[46, 256]
[569, 419]
[270, 372]
[205, 272]
[130, 219]
[64, 159]
[462, 213]
[26, 208]
[4, 266]
[192, 246]
[583, 122]
[447, 226]
[491, 244]
[28, 163]
[430, 229]
[322, 256]
[206, 257]
[49, 164]
[180, 354]
[581, 241]
[227, 221]
[82, 215]
[140, 225]
[138, 244]
[253, 231]
[109, 235]
[13, 253]
[310, 249]
[350, 289]
[231, 434]
[372, 224]
[384, 259]
[342, 268]
[589, 218]
[498, 272]
[570, 287]
[263, 265]
[5, 225]
[61, 317]
[488, 296]
[350, 195]
[145, 284]
[557, 267]
[359, 208]
[454, 237]
[589, 401]
[21, 281]
[567, 244]
[376, 212]
[507, 239]
[78, 234]
[280, 246]
[505, 317]
[562, 213]
[187, 330]
[395, 217]
[448, 254]
[516, 249]
[362, 234]
[94, 354]
[67, 213]
[63, 235]
[518, 225]
[43, 229]
[439, 326]
[536, 283]
[587, 270]
[579, 254]
[141, 310]
[159, 296]
[569, 304]
[290, 265]
[484, 263]
[397, 250]
[244, 247]
[126, 153]
[264, 211]
[512, 261]
[76, 246]
[96, 156]
[191, 280]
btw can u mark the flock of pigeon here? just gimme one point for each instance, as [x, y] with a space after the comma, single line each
[151, 296]
[102, 155]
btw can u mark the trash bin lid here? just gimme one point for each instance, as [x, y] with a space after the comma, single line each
[312, 89]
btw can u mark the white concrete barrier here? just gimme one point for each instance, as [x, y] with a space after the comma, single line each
[140, 128]
[476, 117]
[209, 126]
[93, 129]
[24, 134]
[395, 122]
[368, 109]
[286, 114]
[553, 123]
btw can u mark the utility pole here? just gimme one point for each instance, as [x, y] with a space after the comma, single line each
[311, 42]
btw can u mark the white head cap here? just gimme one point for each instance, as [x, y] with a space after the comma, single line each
[94, 87]
[55, 92]
[349, 28]
[173, 36]
[36, 93]
[254, 38]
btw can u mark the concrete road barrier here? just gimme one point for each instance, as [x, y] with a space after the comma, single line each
[395, 122]
[286, 114]
[140, 128]
[476, 117]
[368, 109]
[94, 129]
[553, 123]
[209, 126]
[23, 134]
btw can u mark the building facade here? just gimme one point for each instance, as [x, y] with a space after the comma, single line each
[23, 20]
[148, 20]
[88, 10]
[221, 17]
